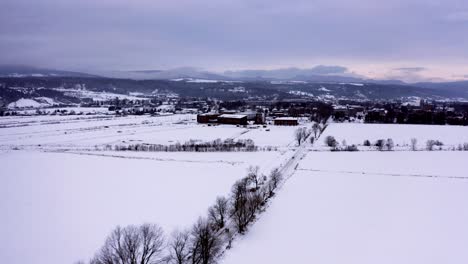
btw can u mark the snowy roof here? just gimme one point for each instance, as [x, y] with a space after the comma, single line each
[232, 116]
[286, 118]
[208, 114]
[25, 103]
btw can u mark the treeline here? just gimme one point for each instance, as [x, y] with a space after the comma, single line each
[335, 146]
[389, 145]
[302, 133]
[205, 241]
[218, 145]
[416, 116]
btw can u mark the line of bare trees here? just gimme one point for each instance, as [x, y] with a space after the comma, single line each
[218, 145]
[208, 237]
[302, 133]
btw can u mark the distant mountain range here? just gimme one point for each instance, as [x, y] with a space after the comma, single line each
[320, 81]
[29, 71]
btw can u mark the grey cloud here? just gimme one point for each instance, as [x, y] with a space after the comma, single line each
[458, 16]
[225, 34]
[286, 73]
[408, 74]
[323, 69]
[411, 69]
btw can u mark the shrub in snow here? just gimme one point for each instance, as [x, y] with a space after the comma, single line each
[430, 144]
[414, 143]
[352, 148]
[380, 144]
[462, 147]
[331, 141]
[367, 143]
[345, 148]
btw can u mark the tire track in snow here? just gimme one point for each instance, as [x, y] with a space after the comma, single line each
[233, 163]
[388, 174]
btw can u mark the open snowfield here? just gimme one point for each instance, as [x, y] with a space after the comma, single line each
[60, 198]
[356, 133]
[366, 208]
[59, 207]
[89, 131]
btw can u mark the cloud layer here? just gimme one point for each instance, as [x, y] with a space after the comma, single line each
[233, 34]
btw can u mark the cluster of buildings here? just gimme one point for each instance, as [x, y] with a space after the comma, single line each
[424, 112]
[232, 118]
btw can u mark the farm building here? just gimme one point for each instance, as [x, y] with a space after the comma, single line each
[256, 117]
[286, 121]
[232, 119]
[207, 118]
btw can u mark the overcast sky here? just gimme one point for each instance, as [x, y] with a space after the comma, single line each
[410, 39]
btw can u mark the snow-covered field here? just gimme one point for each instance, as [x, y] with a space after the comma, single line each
[365, 207]
[58, 208]
[61, 198]
[356, 133]
[89, 131]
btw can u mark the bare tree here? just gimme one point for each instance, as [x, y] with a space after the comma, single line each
[268, 190]
[316, 129]
[299, 135]
[275, 179]
[312, 140]
[414, 144]
[206, 244]
[390, 145]
[218, 213]
[252, 176]
[179, 247]
[132, 245]
[239, 204]
[244, 204]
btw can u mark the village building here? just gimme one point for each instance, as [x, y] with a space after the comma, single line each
[285, 121]
[232, 119]
[207, 118]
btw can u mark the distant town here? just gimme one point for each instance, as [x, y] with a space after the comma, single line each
[285, 112]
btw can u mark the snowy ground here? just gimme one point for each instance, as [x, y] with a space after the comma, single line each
[88, 131]
[61, 198]
[356, 133]
[59, 207]
[365, 207]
